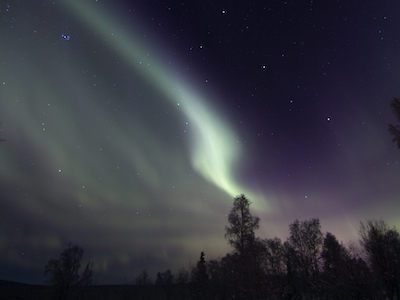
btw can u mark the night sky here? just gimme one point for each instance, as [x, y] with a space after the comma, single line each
[132, 125]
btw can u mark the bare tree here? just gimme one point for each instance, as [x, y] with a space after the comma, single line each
[303, 250]
[143, 278]
[274, 254]
[382, 246]
[64, 272]
[165, 278]
[335, 266]
[274, 267]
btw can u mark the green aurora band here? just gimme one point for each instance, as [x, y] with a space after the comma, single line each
[215, 147]
[79, 167]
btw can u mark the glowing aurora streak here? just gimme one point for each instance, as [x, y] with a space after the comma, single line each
[215, 146]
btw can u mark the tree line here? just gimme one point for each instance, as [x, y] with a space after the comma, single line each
[308, 265]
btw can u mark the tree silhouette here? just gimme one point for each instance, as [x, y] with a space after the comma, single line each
[64, 272]
[200, 278]
[274, 266]
[336, 275]
[241, 236]
[240, 233]
[165, 278]
[361, 284]
[228, 276]
[274, 253]
[395, 129]
[143, 278]
[182, 277]
[382, 245]
[303, 248]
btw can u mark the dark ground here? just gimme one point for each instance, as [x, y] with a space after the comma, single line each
[13, 290]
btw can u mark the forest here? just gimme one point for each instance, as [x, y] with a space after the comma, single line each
[308, 265]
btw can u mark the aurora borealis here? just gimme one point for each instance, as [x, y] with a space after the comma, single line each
[131, 125]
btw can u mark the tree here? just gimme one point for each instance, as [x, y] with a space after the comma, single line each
[382, 245]
[182, 276]
[306, 239]
[200, 278]
[165, 278]
[302, 254]
[394, 130]
[143, 278]
[335, 267]
[64, 272]
[274, 254]
[240, 233]
[230, 276]
[182, 284]
[216, 284]
[241, 236]
[334, 256]
[274, 267]
[361, 284]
